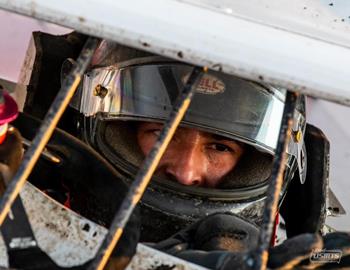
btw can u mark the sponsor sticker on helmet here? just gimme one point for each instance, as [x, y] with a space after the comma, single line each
[209, 84]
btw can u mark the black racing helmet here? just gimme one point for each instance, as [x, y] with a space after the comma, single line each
[125, 86]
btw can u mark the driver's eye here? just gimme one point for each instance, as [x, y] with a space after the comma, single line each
[221, 147]
[156, 132]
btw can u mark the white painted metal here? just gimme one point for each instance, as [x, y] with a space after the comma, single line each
[148, 258]
[322, 19]
[305, 55]
[70, 239]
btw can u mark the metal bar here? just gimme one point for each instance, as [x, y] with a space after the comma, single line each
[146, 171]
[46, 153]
[274, 189]
[317, 45]
[45, 131]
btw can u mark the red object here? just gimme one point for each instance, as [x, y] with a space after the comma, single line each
[3, 132]
[8, 113]
[8, 109]
[274, 231]
[2, 138]
[67, 202]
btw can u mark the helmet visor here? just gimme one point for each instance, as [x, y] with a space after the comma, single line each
[223, 104]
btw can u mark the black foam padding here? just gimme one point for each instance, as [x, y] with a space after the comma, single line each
[304, 207]
[45, 77]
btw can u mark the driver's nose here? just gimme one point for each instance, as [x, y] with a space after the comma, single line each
[185, 162]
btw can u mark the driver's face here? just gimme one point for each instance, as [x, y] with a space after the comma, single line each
[193, 157]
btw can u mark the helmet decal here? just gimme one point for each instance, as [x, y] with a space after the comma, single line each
[209, 84]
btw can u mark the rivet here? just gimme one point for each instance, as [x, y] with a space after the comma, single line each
[100, 91]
